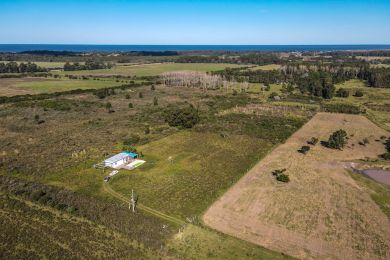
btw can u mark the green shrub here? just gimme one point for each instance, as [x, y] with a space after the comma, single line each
[386, 156]
[304, 149]
[342, 108]
[131, 105]
[132, 140]
[337, 140]
[313, 141]
[341, 92]
[358, 93]
[182, 117]
[140, 95]
[387, 144]
[283, 178]
[280, 176]
[36, 195]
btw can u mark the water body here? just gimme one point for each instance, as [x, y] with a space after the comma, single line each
[123, 48]
[382, 176]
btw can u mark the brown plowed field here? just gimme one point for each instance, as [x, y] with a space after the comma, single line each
[321, 212]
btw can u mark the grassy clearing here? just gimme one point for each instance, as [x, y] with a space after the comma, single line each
[377, 95]
[16, 86]
[200, 243]
[266, 67]
[154, 69]
[186, 171]
[65, 84]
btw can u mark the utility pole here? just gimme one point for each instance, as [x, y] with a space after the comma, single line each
[132, 201]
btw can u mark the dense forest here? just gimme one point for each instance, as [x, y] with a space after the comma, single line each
[14, 67]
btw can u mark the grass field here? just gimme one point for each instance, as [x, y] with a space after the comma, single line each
[374, 100]
[27, 228]
[20, 86]
[379, 95]
[321, 212]
[47, 64]
[267, 67]
[153, 69]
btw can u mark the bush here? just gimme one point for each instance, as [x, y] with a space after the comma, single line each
[140, 95]
[342, 108]
[386, 156]
[132, 140]
[182, 117]
[36, 195]
[313, 141]
[152, 88]
[147, 130]
[273, 95]
[337, 140]
[304, 149]
[280, 176]
[358, 93]
[131, 105]
[127, 96]
[341, 92]
[283, 178]
[387, 144]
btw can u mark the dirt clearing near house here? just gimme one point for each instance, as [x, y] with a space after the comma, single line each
[322, 212]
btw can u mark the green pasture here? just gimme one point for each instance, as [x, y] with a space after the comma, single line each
[153, 69]
[54, 85]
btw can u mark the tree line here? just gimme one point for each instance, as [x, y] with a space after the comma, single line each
[89, 65]
[237, 58]
[14, 67]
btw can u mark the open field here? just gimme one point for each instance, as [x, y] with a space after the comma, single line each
[34, 85]
[153, 69]
[322, 212]
[47, 64]
[27, 228]
[266, 67]
[78, 132]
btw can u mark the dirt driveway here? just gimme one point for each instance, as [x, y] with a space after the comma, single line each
[321, 212]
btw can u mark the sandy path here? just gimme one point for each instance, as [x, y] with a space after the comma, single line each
[321, 212]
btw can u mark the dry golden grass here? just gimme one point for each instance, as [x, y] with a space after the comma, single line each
[322, 212]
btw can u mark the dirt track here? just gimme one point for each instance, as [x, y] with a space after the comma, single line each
[321, 212]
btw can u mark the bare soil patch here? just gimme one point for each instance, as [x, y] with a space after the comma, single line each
[321, 212]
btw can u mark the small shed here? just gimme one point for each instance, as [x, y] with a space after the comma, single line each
[120, 159]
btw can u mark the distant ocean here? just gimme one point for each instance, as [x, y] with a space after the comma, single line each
[124, 48]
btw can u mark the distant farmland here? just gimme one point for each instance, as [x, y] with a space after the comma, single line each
[21, 86]
[153, 69]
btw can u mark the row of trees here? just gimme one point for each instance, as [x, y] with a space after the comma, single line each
[14, 67]
[89, 65]
[240, 58]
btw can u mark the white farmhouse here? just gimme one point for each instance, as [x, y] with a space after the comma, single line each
[120, 159]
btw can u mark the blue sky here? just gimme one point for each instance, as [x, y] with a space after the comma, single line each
[195, 22]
